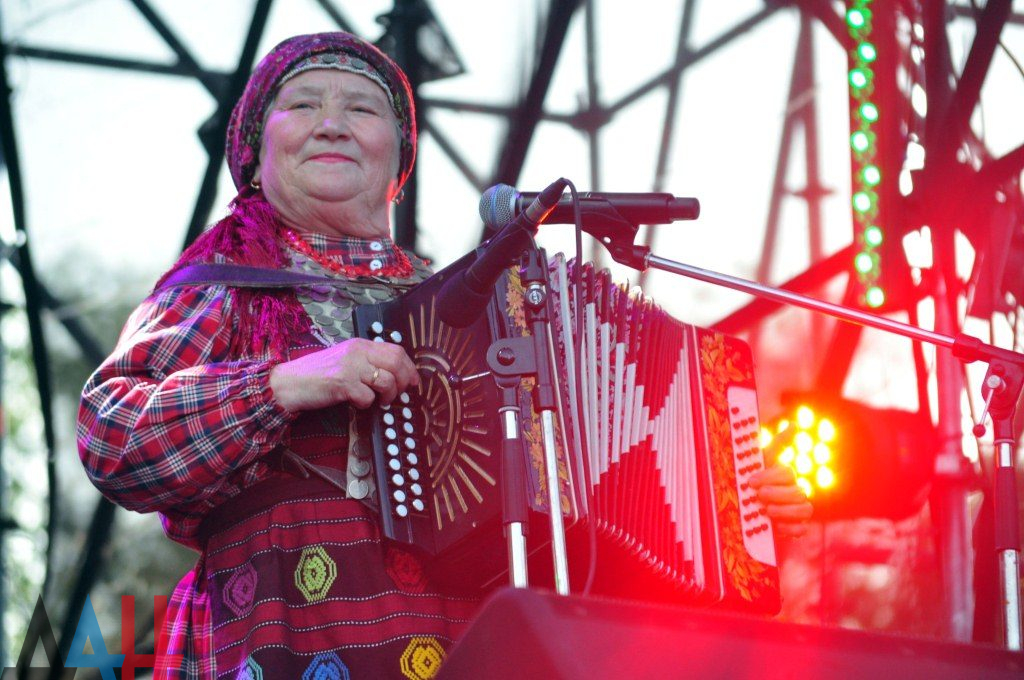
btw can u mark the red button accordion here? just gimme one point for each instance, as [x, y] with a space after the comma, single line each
[658, 434]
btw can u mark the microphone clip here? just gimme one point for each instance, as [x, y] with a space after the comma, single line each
[617, 235]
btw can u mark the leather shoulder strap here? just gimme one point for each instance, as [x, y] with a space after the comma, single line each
[243, 276]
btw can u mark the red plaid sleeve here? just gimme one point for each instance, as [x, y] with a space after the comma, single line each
[169, 416]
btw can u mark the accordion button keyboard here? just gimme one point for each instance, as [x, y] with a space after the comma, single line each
[397, 427]
[748, 459]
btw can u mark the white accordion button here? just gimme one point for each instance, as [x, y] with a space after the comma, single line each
[417, 504]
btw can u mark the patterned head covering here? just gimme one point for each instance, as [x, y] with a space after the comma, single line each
[300, 53]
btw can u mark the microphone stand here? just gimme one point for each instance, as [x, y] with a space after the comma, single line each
[1003, 381]
[513, 358]
[513, 484]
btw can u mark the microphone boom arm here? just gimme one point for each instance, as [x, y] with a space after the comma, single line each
[1005, 379]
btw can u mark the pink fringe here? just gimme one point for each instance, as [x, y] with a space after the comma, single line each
[267, 320]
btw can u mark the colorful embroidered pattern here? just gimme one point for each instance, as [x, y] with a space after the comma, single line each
[326, 666]
[240, 590]
[422, 658]
[405, 570]
[250, 671]
[315, 573]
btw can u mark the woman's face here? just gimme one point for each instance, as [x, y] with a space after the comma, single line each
[330, 136]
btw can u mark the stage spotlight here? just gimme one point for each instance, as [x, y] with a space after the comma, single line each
[851, 460]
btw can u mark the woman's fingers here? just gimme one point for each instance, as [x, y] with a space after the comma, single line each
[798, 512]
[395, 363]
[784, 501]
[384, 385]
[782, 495]
[775, 474]
[393, 372]
[356, 371]
[361, 396]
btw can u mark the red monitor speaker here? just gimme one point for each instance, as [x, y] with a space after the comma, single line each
[531, 634]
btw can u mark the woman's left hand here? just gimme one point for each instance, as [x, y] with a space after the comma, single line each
[786, 504]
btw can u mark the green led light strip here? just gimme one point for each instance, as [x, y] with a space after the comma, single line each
[864, 114]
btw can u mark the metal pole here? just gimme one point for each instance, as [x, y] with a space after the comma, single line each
[951, 479]
[795, 299]
[1009, 554]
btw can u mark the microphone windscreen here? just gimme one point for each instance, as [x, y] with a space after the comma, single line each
[458, 305]
[496, 205]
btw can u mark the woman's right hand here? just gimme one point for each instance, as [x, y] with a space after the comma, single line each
[356, 372]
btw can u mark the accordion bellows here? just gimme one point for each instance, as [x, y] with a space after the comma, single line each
[658, 431]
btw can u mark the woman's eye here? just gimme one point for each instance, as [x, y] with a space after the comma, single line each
[301, 105]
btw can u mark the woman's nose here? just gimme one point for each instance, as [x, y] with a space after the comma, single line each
[333, 124]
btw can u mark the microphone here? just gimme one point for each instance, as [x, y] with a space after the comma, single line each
[463, 298]
[501, 204]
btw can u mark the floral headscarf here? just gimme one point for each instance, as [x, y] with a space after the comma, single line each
[299, 53]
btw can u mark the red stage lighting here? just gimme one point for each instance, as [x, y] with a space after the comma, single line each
[852, 460]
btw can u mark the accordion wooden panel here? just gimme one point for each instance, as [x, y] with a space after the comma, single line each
[658, 433]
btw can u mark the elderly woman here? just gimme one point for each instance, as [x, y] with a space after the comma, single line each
[220, 399]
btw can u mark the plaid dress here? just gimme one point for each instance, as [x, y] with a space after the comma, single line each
[293, 579]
